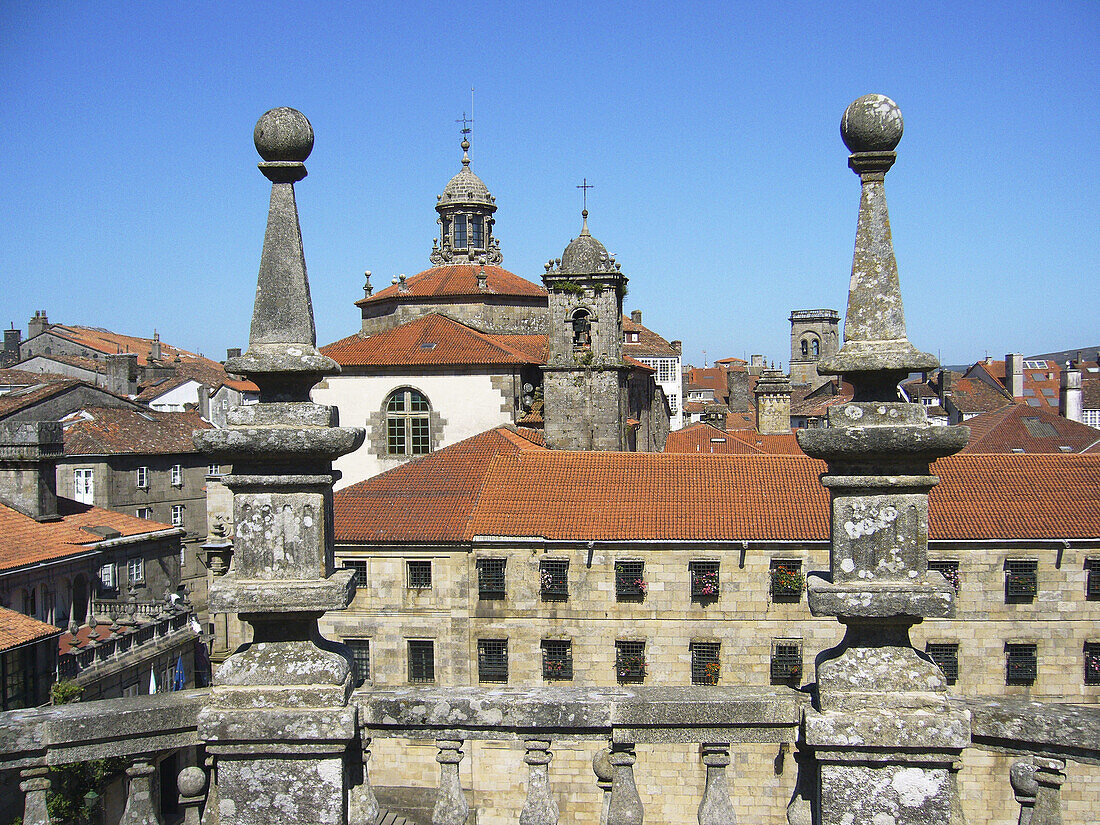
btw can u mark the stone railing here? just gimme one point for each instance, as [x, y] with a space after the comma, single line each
[147, 728]
[111, 608]
[165, 626]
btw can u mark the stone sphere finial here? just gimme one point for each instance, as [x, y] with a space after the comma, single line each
[283, 134]
[191, 781]
[872, 124]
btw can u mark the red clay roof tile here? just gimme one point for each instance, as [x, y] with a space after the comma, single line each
[17, 629]
[458, 281]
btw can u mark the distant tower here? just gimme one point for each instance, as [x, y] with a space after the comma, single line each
[466, 217]
[815, 333]
[585, 379]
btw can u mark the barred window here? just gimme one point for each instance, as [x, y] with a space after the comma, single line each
[630, 661]
[946, 655]
[360, 657]
[630, 583]
[360, 568]
[554, 579]
[705, 668]
[1021, 579]
[1092, 579]
[492, 660]
[419, 574]
[1092, 663]
[408, 423]
[704, 580]
[1021, 664]
[557, 660]
[490, 578]
[786, 664]
[949, 570]
[786, 579]
[421, 660]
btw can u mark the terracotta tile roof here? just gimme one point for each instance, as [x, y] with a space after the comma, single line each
[17, 629]
[816, 403]
[26, 541]
[703, 438]
[13, 402]
[484, 486]
[775, 444]
[638, 365]
[12, 377]
[109, 431]
[712, 378]
[535, 347]
[432, 340]
[458, 281]
[1030, 429]
[110, 343]
[649, 343]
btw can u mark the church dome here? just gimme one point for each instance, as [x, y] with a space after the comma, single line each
[466, 187]
[585, 255]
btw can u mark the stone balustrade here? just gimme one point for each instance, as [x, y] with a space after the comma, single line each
[165, 626]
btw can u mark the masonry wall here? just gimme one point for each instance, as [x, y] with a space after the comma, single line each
[488, 313]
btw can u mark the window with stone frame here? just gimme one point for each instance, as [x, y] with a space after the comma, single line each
[142, 477]
[946, 655]
[175, 475]
[421, 660]
[360, 568]
[144, 512]
[786, 661]
[557, 660]
[554, 579]
[460, 231]
[360, 657]
[1092, 663]
[630, 661]
[490, 578]
[581, 322]
[948, 569]
[705, 666]
[1092, 579]
[1021, 580]
[492, 660]
[630, 583]
[704, 580]
[135, 570]
[84, 485]
[408, 423]
[418, 574]
[786, 580]
[177, 515]
[1021, 663]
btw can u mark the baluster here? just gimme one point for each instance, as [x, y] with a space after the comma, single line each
[362, 803]
[1024, 787]
[140, 809]
[1049, 776]
[601, 766]
[540, 808]
[211, 815]
[35, 785]
[715, 808]
[451, 807]
[192, 784]
[625, 807]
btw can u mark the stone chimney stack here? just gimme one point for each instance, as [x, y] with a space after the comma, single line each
[773, 403]
[233, 352]
[947, 383]
[12, 337]
[38, 323]
[740, 393]
[1014, 374]
[1070, 397]
[678, 346]
[29, 451]
[122, 373]
[636, 316]
[756, 364]
[154, 349]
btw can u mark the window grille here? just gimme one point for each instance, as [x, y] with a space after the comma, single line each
[360, 657]
[704, 580]
[360, 568]
[554, 579]
[142, 476]
[419, 574]
[1021, 664]
[1092, 579]
[1021, 579]
[949, 569]
[492, 660]
[176, 475]
[1092, 663]
[630, 583]
[786, 579]
[421, 661]
[630, 661]
[786, 664]
[946, 655]
[490, 578]
[557, 660]
[705, 667]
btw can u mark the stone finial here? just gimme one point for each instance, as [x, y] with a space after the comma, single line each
[368, 290]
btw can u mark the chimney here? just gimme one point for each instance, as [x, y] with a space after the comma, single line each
[122, 373]
[154, 350]
[29, 451]
[773, 403]
[39, 323]
[947, 383]
[482, 279]
[12, 337]
[636, 316]
[756, 364]
[739, 395]
[1070, 399]
[1014, 374]
[678, 346]
[232, 352]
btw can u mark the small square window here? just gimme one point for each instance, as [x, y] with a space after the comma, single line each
[557, 660]
[421, 661]
[135, 571]
[949, 570]
[419, 574]
[630, 661]
[786, 580]
[704, 580]
[946, 655]
[490, 578]
[786, 664]
[142, 476]
[1021, 580]
[176, 475]
[214, 470]
[177, 515]
[360, 568]
[360, 657]
[1092, 579]
[554, 579]
[1092, 663]
[630, 583]
[492, 660]
[144, 512]
[1021, 664]
[705, 667]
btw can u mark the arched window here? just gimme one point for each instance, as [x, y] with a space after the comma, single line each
[582, 329]
[815, 348]
[805, 348]
[408, 425]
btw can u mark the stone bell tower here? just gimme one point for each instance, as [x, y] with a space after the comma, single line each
[585, 378]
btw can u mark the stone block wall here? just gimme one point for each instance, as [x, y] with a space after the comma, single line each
[485, 313]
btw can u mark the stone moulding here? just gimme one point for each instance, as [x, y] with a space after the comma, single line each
[229, 594]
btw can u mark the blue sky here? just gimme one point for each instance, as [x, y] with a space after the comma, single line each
[131, 198]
